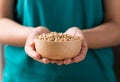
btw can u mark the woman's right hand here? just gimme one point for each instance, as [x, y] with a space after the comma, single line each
[30, 45]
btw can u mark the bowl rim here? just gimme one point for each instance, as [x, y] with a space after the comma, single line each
[59, 41]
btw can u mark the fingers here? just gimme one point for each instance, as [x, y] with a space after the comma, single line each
[75, 31]
[45, 60]
[77, 58]
[82, 54]
[29, 48]
[67, 61]
[52, 61]
[59, 62]
[41, 29]
[72, 31]
[31, 52]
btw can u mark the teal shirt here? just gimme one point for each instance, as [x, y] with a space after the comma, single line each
[59, 15]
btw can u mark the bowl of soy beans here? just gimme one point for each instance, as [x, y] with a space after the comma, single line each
[57, 45]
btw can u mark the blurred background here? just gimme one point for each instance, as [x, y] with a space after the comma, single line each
[116, 51]
[1, 61]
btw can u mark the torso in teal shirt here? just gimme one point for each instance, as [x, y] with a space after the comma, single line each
[59, 15]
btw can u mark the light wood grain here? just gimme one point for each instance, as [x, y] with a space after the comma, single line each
[58, 50]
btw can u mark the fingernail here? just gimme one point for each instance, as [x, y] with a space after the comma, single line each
[45, 61]
[66, 62]
[52, 62]
[59, 64]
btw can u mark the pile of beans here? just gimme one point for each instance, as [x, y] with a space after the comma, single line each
[57, 37]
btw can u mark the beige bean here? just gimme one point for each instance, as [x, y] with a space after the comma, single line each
[54, 36]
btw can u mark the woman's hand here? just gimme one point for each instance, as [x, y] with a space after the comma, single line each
[30, 45]
[77, 32]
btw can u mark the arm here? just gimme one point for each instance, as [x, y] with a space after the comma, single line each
[107, 34]
[11, 32]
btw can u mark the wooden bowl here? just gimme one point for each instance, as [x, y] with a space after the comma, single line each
[58, 50]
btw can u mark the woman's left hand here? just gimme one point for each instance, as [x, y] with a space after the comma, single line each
[77, 32]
